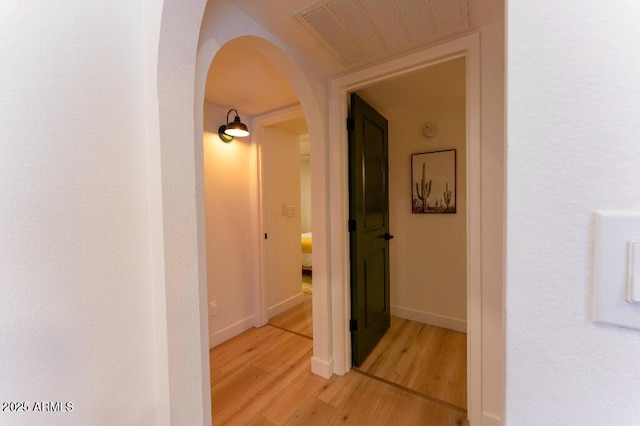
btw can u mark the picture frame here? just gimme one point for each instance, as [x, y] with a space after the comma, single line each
[433, 182]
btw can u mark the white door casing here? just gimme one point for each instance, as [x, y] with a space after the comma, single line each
[468, 47]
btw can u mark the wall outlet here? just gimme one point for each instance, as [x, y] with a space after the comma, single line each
[213, 308]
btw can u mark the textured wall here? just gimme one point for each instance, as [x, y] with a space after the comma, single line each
[573, 133]
[76, 312]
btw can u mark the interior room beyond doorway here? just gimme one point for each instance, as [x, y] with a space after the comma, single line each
[287, 222]
[426, 348]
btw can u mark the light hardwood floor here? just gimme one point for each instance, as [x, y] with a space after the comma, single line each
[424, 358]
[298, 319]
[262, 377]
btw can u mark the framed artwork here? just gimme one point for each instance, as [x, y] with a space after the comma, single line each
[433, 182]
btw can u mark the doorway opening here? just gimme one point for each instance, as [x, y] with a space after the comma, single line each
[287, 222]
[465, 47]
[245, 96]
[425, 348]
[236, 195]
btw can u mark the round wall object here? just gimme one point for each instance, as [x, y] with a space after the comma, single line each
[430, 130]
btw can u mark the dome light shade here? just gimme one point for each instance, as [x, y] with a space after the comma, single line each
[234, 129]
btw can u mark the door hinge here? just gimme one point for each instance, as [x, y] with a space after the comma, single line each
[352, 225]
[351, 123]
[353, 325]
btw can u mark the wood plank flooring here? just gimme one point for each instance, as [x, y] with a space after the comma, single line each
[424, 358]
[263, 377]
[298, 319]
[421, 357]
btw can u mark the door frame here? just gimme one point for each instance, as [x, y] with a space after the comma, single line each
[258, 124]
[468, 47]
[321, 361]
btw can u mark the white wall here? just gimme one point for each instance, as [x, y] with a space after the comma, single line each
[574, 148]
[177, 214]
[281, 186]
[428, 253]
[228, 226]
[77, 308]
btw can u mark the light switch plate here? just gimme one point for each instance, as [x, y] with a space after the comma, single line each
[613, 268]
[633, 276]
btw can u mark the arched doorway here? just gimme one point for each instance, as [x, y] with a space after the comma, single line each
[209, 46]
[179, 219]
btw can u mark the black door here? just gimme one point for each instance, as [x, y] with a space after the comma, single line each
[369, 227]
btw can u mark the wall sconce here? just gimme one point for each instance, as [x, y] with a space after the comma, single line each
[230, 130]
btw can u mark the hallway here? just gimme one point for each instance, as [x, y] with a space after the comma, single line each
[263, 377]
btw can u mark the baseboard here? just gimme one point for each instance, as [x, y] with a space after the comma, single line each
[431, 319]
[284, 305]
[322, 368]
[489, 419]
[231, 331]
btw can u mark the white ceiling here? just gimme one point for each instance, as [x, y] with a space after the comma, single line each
[359, 32]
[245, 79]
[241, 78]
[430, 85]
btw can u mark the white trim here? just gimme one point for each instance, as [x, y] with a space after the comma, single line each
[289, 303]
[278, 116]
[450, 323]
[257, 227]
[322, 368]
[322, 361]
[474, 233]
[231, 331]
[258, 123]
[468, 47]
[489, 419]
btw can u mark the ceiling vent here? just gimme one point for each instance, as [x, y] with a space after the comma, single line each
[360, 31]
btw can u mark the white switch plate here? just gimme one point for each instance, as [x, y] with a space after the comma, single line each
[613, 268]
[633, 276]
[213, 308]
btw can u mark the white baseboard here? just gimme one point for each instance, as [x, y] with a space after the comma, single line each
[431, 319]
[231, 331]
[489, 419]
[322, 368]
[284, 305]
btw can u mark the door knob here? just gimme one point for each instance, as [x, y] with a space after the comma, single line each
[387, 236]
